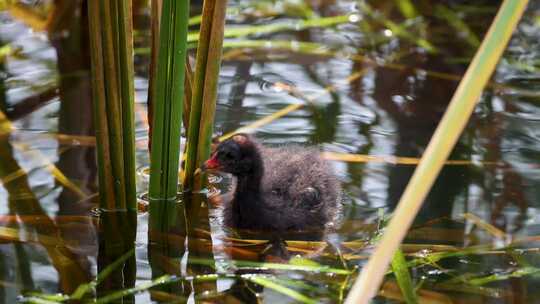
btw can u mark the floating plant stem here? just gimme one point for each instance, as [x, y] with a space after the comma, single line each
[524, 271]
[115, 296]
[111, 48]
[446, 135]
[204, 92]
[88, 287]
[167, 100]
[265, 282]
[302, 47]
[395, 160]
[277, 266]
[242, 31]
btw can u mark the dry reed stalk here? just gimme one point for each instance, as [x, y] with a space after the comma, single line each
[440, 146]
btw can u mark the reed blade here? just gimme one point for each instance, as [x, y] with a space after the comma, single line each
[204, 92]
[111, 48]
[446, 135]
[403, 277]
[168, 100]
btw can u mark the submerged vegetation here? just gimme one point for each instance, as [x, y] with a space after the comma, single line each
[368, 81]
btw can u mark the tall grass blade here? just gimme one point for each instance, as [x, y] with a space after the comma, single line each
[167, 100]
[440, 146]
[116, 296]
[277, 266]
[403, 277]
[204, 92]
[88, 287]
[281, 289]
[155, 18]
[111, 48]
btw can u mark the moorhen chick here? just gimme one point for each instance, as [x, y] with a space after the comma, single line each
[289, 188]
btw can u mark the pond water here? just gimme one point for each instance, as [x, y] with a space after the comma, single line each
[363, 80]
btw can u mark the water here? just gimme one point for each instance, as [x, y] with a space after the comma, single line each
[54, 238]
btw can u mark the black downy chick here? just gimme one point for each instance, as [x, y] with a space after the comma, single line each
[283, 189]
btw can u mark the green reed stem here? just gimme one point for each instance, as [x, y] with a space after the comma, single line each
[204, 93]
[168, 100]
[111, 48]
[155, 17]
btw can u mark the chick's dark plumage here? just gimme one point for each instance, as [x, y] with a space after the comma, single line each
[281, 189]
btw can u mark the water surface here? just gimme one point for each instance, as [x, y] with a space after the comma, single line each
[365, 87]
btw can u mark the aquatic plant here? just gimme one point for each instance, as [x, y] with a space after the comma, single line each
[433, 260]
[167, 101]
[111, 41]
[452, 124]
[204, 95]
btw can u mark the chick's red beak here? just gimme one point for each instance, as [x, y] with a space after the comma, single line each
[211, 163]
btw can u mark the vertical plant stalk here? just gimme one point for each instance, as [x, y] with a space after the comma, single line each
[440, 146]
[156, 17]
[188, 88]
[167, 100]
[156, 6]
[111, 48]
[203, 104]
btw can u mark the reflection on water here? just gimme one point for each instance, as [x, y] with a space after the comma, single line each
[367, 89]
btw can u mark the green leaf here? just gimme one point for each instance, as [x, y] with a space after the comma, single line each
[279, 288]
[403, 277]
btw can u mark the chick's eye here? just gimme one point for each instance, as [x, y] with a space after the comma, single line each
[226, 155]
